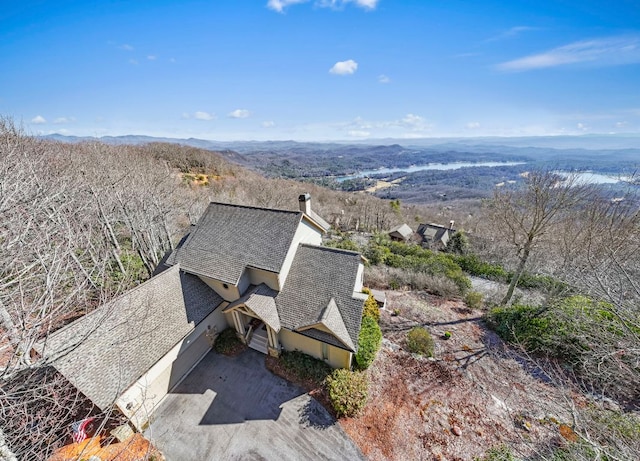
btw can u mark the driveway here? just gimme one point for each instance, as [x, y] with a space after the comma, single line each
[234, 408]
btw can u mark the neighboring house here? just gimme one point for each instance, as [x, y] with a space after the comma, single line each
[434, 235]
[401, 233]
[261, 271]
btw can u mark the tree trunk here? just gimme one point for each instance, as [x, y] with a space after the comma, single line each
[516, 276]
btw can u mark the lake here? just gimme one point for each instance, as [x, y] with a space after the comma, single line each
[594, 178]
[429, 166]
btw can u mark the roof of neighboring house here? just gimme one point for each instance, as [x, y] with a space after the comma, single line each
[402, 231]
[228, 238]
[319, 293]
[434, 232]
[106, 351]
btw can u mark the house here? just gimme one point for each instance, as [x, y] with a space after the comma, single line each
[434, 235]
[401, 233]
[260, 271]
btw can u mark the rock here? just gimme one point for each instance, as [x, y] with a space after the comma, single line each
[456, 430]
[122, 432]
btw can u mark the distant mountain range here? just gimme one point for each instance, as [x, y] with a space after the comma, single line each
[588, 142]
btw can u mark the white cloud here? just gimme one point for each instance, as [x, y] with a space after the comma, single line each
[473, 125]
[239, 113]
[152, 57]
[133, 61]
[268, 124]
[513, 32]
[383, 79]
[201, 115]
[126, 47]
[610, 51]
[281, 5]
[38, 120]
[61, 120]
[347, 67]
[339, 4]
[359, 133]
[582, 127]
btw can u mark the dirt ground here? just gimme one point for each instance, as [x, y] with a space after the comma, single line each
[473, 395]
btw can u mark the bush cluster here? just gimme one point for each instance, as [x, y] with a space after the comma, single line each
[348, 391]
[368, 342]
[473, 299]
[415, 260]
[305, 367]
[573, 331]
[227, 342]
[419, 341]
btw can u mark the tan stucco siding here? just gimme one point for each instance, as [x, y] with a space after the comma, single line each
[258, 276]
[230, 293]
[137, 402]
[359, 279]
[292, 341]
[305, 233]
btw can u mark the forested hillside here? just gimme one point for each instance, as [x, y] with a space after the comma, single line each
[81, 223]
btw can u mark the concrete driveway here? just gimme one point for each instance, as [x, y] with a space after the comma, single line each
[235, 409]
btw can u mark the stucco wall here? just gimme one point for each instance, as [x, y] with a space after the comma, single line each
[258, 276]
[231, 293]
[305, 233]
[144, 395]
[292, 341]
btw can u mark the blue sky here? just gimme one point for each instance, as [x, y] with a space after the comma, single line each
[321, 69]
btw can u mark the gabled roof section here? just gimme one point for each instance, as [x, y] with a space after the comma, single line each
[331, 319]
[229, 238]
[402, 231]
[104, 352]
[319, 291]
[261, 300]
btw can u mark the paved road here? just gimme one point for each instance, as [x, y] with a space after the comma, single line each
[235, 409]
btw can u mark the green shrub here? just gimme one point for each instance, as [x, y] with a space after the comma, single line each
[419, 341]
[304, 366]
[368, 343]
[458, 243]
[344, 243]
[501, 453]
[371, 308]
[473, 299]
[227, 342]
[348, 391]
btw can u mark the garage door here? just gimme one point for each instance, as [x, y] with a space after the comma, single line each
[138, 402]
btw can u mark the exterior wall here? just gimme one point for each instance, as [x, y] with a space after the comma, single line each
[137, 402]
[258, 276]
[336, 357]
[305, 233]
[231, 293]
[359, 279]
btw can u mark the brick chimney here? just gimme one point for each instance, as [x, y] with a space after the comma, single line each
[304, 201]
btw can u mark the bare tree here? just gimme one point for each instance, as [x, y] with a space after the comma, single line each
[525, 215]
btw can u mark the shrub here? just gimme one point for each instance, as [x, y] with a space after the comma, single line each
[227, 342]
[368, 343]
[348, 391]
[473, 299]
[419, 341]
[447, 335]
[305, 367]
[458, 243]
[501, 453]
[371, 308]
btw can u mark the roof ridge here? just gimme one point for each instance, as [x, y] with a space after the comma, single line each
[251, 207]
[331, 249]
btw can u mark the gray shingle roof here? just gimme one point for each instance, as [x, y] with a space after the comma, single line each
[331, 319]
[229, 238]
[107, 350]
[318, 275]
[261, 300]
[402, 231]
